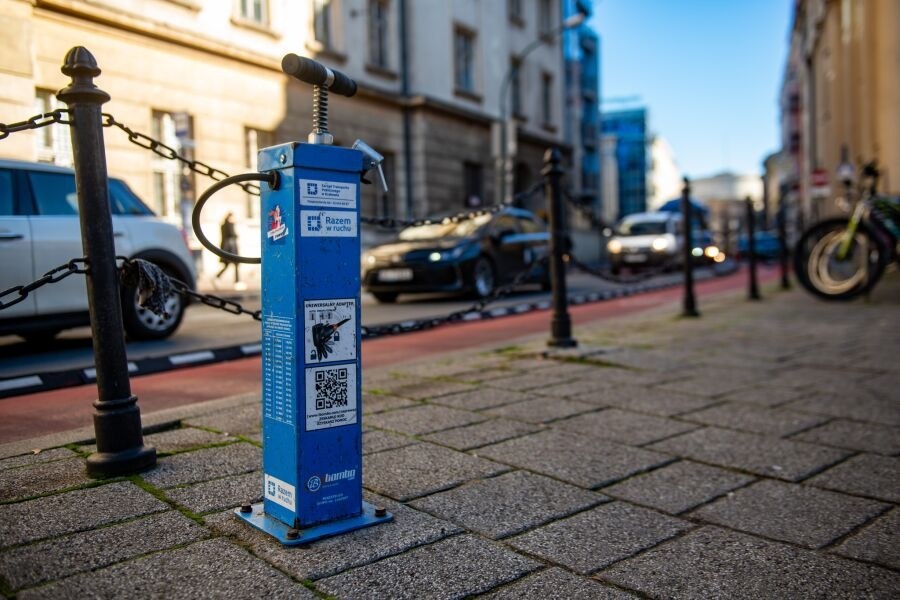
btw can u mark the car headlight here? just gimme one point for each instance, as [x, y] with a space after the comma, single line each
[451, 254]
[697, 251]
[659, 244]
[711, 252]
[614, 246]
[366, 260]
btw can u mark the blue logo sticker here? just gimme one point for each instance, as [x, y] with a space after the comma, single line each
[314, 483]
[312, 188]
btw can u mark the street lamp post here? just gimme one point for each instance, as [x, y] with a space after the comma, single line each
[505, 162]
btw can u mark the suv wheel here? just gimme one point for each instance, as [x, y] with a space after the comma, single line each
[483, 279]
[141, 324]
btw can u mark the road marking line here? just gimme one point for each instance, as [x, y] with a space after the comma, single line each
[20, 382]
[251, 348]
[92, 372]
[191, 357]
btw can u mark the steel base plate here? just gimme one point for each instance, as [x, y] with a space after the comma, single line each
[268, 524]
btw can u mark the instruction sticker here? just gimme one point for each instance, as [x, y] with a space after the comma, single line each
[329, 330]
[280, 492]
[327, 223]
[330, 396]
[327, 194]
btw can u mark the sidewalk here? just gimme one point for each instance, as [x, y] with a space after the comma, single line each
[751, 453]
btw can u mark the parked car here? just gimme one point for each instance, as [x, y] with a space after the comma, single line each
[474, 255]
[655, 240]
[39, 230]
[766, 245]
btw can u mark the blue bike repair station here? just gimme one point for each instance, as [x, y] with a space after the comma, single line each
[311, 359]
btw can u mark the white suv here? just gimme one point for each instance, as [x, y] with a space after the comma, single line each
[39, 231]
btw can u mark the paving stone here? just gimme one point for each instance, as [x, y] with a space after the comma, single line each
[418, 388]
[27, 566]
[526, 381]
[877, 542]
[409, 529]
[74, 511]
[574, 458]
[541, 410]
[573, 388]
[375, 403]
[501, 506]
[237, 421]
[420, 469]
[856, 407]
[378, 441]
[24, 482]
[714, 563]
[864, 475]
[219, 493]
[646, 399]
[36, 458]
[426, 418]
[704, 386]
[201, 465]
[766, 396]
[755, 419]
[481, 434]
[624, 427]
[481, 398]
[208, 569]
[678, 487]
[791, 513]
[556, 583]
[758, 454]
[179, 440]
[866, 437]
[455, 568]
[599, 537]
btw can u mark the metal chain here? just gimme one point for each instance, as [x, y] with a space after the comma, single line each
[608, 276]
[76, 265]
[394, 223]
[369, 331]
[35, 122]
[170, 153]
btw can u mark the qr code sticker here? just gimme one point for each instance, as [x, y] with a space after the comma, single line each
[331, 388]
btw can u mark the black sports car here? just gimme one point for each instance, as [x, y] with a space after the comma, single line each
[470, 256]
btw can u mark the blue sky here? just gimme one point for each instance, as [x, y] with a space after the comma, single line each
[709, 72]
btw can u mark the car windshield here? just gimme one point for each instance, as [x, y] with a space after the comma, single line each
[442, 230]
[642, 228]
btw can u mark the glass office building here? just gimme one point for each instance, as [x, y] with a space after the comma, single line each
[629, 128]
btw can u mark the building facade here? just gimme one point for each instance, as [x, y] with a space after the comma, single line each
[628, 129]
[840, 97]
[204, 76]
[724, 195]
[665, 176]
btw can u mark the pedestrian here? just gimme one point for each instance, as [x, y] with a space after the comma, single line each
[229, 244]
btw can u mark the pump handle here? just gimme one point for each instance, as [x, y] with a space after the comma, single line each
[309, 71]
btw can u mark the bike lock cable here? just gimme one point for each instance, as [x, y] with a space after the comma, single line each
[270, 178]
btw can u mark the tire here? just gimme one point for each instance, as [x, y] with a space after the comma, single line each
[483, 279]
[819, 270]
[386, 297]
[141, 324]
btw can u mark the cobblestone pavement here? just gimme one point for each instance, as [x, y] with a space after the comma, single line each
[750, 453]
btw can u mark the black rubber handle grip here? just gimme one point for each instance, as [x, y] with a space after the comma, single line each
[309, 71]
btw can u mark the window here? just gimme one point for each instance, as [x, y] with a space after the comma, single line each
[464, 60]
[166, 173]
[122, 200]
[547, 98]
[516, 15]
[546, 20]
[473, 183]
[515, 86]
[322, 22]
[254, 141]
[54, 193]
[53, 143]
[255, 11]
[378, 33]
[6, 194]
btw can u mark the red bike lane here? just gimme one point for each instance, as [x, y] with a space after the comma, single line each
[42, 413]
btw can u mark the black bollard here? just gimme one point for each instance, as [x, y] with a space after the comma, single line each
[117, 419]
[753, 291]
[560, 325]
[690, 302]
[783, 252]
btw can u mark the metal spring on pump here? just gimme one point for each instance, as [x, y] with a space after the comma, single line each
[320, 133]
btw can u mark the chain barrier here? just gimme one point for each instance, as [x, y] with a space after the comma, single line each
[76, 265]
[35, 122]
[371, 331]
[608, 275]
